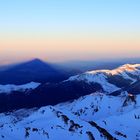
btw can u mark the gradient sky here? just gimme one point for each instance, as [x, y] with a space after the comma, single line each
[62, 30]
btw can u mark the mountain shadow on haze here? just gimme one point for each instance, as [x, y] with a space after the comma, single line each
[34, 70]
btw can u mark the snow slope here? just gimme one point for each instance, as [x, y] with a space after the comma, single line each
[92, 117]
[10, 88]
[128, 72]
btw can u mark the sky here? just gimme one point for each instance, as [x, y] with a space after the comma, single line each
[65, 30]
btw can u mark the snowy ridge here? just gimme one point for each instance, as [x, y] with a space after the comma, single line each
[132, 68]
[90, 117]
[102, 105]
[10, 88]
[99, 78]
[128, 72]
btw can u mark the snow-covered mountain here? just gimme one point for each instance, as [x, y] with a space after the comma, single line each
[22, 88]
[108, 80]
[108, 107]
[125, 78]
[111, 80]
[92, 117]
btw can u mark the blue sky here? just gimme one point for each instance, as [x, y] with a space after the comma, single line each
[53, 19]
[50, 14]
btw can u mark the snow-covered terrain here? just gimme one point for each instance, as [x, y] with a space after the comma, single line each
[92, 117]
[98, 116]
[10, 88]
[106, 78]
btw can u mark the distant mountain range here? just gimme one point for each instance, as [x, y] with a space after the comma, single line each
[114, 82]
[91, 65]
[40, 71]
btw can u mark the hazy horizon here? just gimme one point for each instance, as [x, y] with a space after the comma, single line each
[59, 31]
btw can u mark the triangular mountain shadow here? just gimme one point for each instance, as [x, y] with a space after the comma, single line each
[35, 70]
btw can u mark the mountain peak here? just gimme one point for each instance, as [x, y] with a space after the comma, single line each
[121, 69]
[36, 60]
[129, 66]
[37, 63]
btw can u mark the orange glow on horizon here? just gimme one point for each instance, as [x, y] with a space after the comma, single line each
[63, 48]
